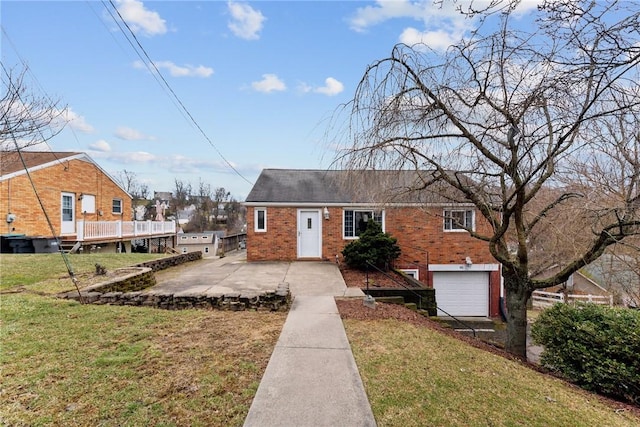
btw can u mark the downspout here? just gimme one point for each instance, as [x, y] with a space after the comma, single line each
[501, 301]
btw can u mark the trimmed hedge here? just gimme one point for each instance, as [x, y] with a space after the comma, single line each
[373, 246]
[594, 346]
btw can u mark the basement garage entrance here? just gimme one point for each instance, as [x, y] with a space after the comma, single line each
[462, 293]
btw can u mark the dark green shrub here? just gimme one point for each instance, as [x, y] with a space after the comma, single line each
[373, 246]
[596, 347]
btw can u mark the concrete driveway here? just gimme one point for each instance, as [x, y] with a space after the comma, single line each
[234, 275]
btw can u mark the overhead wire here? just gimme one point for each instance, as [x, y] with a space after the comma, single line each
[151, 66]
[27, 69]
[66, 260]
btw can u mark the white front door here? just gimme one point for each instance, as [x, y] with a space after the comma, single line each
[68, 224]
[309, 229]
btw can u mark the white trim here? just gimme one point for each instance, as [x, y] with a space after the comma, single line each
[298, 225]
[70, 228]
[121, 206]
[255, 220]
[61, 160]
[361, 208]
[464, 267]
[413, 272]
[355, 205]
[457, 209]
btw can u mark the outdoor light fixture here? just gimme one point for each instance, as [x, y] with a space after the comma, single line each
[326, 213]
[468, 261]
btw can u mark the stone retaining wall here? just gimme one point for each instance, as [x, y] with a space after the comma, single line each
[132, 290]
[268, 301]
[172, 261]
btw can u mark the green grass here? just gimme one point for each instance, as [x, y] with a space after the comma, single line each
[30, 269]
[69, 364]
[416, 376]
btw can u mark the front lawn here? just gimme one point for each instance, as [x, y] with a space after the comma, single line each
[69, 364]
[416, 375]
[48, 273]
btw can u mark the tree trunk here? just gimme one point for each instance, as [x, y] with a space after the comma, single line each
[517, 294]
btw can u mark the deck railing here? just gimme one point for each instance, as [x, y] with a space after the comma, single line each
[91, 230]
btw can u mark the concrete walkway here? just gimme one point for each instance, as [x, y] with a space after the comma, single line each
[312, 378]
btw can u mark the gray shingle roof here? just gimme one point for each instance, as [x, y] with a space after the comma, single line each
[341, 187]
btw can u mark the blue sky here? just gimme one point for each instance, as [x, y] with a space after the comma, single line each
[260, 78]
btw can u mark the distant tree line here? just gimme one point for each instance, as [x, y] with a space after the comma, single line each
[203, 207]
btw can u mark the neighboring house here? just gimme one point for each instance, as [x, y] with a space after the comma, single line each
[84, 205]
[183, 216]
[578, 284]
[620, 275]
[312, 214]
[206, 242]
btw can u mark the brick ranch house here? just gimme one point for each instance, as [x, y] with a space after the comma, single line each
[297, 214]
[86, 207]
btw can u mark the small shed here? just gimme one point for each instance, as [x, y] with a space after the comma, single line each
[206, 242]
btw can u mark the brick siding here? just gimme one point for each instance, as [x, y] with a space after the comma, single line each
[420, 233]
[70, 176]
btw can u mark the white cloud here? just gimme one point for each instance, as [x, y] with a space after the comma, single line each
[331, 87]
[384, 10]
[141, 19]
[438, 40]
[101, 145]
[177, 70]
[123, 157]
[443, 22]
[75, 121]
[247, 22]
[269, 83]
[130, 134]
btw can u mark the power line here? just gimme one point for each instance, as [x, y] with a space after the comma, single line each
[67, 262]
[154, 70]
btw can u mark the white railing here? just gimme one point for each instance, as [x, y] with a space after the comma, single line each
[542, 299]
[91, 230]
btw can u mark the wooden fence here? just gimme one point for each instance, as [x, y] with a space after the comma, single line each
[541, 299]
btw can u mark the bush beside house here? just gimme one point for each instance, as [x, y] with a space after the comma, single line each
[594, 346]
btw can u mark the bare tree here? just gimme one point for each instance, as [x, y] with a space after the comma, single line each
[513, 122]
[220, 203]
[180, 197]
[25, 118]
[128, 180]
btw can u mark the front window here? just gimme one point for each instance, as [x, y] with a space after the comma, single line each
[458, 220]
[260, 219]
[355, 221]
[116, 206]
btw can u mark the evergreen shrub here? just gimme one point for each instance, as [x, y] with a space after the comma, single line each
[373, 246]
[597, 347]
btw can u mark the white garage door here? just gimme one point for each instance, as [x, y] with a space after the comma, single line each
[462, 293]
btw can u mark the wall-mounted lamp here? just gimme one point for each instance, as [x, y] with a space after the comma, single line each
[10, 218]
[81, 196]
[468, 261]
[326, 213]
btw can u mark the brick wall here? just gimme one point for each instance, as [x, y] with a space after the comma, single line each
[419, 232]
[75, 176]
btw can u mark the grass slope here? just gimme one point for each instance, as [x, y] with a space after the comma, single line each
[69, 364]
[49, 270]
[416, 376]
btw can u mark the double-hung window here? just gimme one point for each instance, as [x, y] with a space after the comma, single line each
[260, 219]
[116, 206]
[459, 219]
[355, 221]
